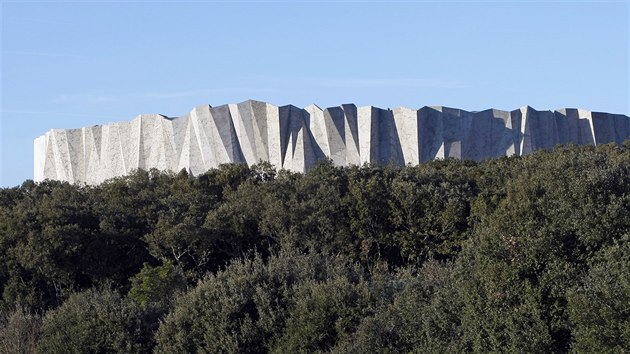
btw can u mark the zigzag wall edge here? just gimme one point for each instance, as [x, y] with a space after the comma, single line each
[295, 139]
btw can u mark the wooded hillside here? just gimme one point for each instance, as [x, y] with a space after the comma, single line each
[519, 254]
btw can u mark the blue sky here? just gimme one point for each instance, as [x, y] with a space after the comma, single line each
[73, 64]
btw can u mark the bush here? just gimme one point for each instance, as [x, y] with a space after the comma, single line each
[19, 331]
[95, 322]
[245, 307]
[599, 308]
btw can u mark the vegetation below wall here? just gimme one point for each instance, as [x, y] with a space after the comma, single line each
[519, 254]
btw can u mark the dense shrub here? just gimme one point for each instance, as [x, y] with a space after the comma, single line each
[19, 331]
[248, 306]
[517, 254]
[599, 307]
[96, 322]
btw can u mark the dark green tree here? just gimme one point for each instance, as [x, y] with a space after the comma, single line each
[245, 307]
[156, 286]
[599, 308]
[19, 331]
[96, 322]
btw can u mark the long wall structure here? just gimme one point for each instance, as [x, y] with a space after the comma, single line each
[295, 139]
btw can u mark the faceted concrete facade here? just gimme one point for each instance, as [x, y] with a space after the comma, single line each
[295, 139]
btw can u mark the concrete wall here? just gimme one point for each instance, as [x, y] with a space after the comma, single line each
[295, 139]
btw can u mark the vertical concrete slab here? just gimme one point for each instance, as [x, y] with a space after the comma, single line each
[529, 129]
[259, 122]
[501, 135]
[622, 127]
[228, 137]
[585, 128]
[455, 123]
[243, 128]
[334, 127]
[39, 157]
[368, 134]
[603, 127]
[274, 135]
[406, 122]
[351, 138]
[548, 131]
[480, 146]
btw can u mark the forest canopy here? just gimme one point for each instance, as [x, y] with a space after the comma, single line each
[517, 254]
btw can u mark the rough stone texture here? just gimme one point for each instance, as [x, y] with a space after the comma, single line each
[295, 139]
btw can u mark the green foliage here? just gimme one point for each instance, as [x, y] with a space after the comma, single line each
[323, 313]
[368, 212]
[429, 212]
[95, 322]
[412, 312]
[292, 302]
[599, 308]
[560, 209]
[317, 217]
[518, 254]
[19, 331]
[500, 310]
[156, 285]
[44, 236]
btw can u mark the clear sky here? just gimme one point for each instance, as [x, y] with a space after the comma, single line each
[73, 64]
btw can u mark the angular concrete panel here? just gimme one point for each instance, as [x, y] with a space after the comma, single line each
[295, 139]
